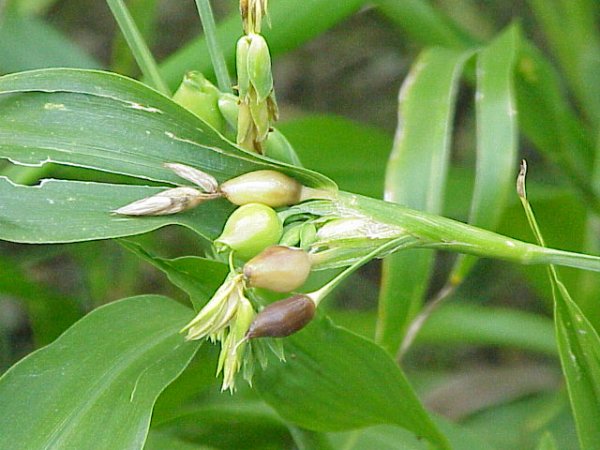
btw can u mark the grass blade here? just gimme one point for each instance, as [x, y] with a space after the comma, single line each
[144, 14]
[416, 175]
[496, 138]
[577, 51]
[216, 56]
[546, 117]
[578, 345]
[138, 46]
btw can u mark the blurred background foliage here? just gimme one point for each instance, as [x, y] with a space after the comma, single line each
[488, 358]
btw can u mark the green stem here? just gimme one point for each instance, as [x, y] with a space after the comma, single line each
[446, 234]
[216, 55]
[401, 242]
[138, 46]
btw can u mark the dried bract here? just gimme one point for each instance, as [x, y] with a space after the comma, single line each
[207, 182]
[167, 202]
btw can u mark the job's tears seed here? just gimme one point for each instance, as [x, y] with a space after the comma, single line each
[249, 230]
[278, 268]
[282, 318]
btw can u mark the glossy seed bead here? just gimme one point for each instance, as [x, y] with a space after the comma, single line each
[282, 318]
[250, 229]
[278, 268]
[263, 186]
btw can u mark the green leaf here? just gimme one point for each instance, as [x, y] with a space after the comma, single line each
[503, 327]
[229, 423]
[386, 437]
[571, 29]
[104, 121]
[416, 176]
[334, 380]
[545, 115]
[198, 277]
[95, 386]
[293, 25]
[579, 349]
[578, 344]
[30, 43]
[113, 124]
[71, 211]
[341, 148]
[520, 424]
[496, 137]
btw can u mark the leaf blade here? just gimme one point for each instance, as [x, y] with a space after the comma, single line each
[329, 372]
[496, 137]
[95, 386]
[416, 175]
[108, 122]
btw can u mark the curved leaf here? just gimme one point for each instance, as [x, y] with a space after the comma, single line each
[334, 380]
[198, 277]
[416, 177]
[95, 386]
[104, 121]
[496, 138]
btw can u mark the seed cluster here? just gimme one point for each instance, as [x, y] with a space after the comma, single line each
[253, 233]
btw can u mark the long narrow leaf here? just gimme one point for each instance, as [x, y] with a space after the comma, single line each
[546, 117]
[496, 137]
[578, 345]
[416, 176]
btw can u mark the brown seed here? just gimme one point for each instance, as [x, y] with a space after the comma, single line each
[278, 268]
[282, 318]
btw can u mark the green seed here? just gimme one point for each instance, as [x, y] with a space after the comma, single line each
[278, 268]
[263, 186]
[249, 230]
